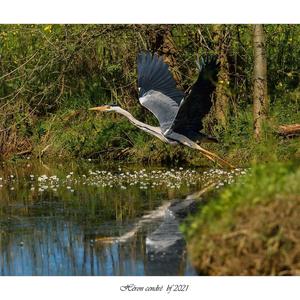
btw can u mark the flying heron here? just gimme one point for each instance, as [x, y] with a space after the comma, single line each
[180, 116]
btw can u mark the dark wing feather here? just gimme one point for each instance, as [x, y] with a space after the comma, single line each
[197, 103]
[153, 74]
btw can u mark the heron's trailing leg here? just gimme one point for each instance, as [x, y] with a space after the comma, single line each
[210, 155]
[214, 157]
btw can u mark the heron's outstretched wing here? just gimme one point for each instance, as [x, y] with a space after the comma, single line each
[158, 91]
[163, 108]
[197, 103]
[154, 74]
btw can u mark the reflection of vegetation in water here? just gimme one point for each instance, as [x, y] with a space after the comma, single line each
[251, 227]
[83, 195]
[49, 247]
[93, 192]
[51, 217]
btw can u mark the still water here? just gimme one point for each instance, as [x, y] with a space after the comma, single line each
[66, 219]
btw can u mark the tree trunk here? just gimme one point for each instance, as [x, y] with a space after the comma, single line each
[260, 96]
[168, 50]
[221, 103]
[161, 42]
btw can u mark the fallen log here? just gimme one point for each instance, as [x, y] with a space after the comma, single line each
[291, 130]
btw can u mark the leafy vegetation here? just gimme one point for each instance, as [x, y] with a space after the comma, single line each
[51, 74]
[252, 226]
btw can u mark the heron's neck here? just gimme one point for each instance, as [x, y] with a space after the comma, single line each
[156, 131]
[128, 115]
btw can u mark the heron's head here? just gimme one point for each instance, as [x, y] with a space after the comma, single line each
[103, 108]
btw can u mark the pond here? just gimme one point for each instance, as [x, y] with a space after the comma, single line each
[69, 218]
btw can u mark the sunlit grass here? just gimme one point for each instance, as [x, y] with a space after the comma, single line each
[248, 211]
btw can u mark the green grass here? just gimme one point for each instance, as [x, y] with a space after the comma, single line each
[238, 145]
[76, 132]
[260, 184]
[239, 224]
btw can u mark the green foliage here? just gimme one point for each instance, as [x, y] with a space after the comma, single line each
[239, 145]
[261, 184]
[249, 227]
[109, 137]
[49, 70]
[66, 133]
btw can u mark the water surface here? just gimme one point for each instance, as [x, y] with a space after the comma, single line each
[65, 219]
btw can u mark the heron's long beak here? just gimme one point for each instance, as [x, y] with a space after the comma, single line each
[100, 108]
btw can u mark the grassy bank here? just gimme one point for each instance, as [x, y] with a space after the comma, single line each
[78, 133]
[251, 227]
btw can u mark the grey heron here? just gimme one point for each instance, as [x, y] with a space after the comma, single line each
[180, 116]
